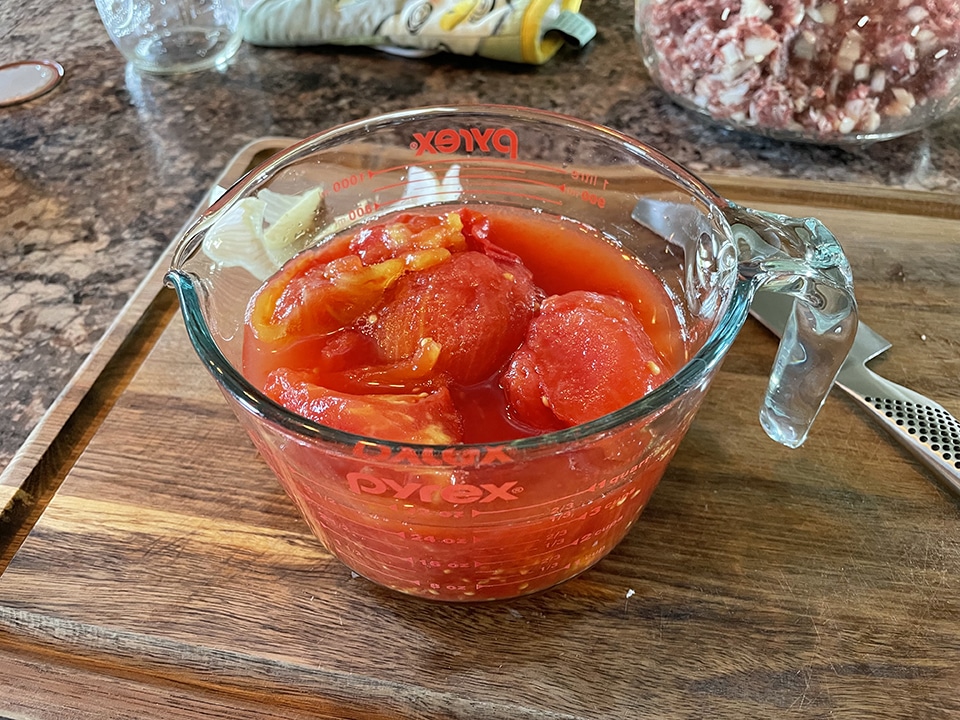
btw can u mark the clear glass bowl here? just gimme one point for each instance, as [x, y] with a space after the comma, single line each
[476, 522]
[823, 71]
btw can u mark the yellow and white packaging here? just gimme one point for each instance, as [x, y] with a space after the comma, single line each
[523, 31]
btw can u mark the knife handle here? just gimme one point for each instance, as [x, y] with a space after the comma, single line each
[922, 426]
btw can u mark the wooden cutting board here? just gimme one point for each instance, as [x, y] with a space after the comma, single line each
[169, 577]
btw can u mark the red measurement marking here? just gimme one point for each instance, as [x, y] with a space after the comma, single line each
[363, 210]
[395, 168]
[361, 549]
[588, 178]
[367, 569]
[470, 169]
[526, 508]
[382, 549]
[529, 578]
[353, 532]
[539, 549]
[350, 181]
[534, 557]
[524, 196]
[510, 179]
[521, 163]
[433, 162]
[406, 200]
[441, 565]
[437, 539]
[585, 195]
[480, 188]
[391, 186]
[468, 163]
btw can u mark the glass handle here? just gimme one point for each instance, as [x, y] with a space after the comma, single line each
[801, 258]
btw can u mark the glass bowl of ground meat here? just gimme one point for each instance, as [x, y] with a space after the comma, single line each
[822, 71]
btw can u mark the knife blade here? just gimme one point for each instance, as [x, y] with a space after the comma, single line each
[922, 426]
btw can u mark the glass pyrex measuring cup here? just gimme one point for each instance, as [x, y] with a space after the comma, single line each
[488, 521]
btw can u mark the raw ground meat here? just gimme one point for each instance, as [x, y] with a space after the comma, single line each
[817, 68]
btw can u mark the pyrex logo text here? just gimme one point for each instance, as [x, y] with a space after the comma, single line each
[449, 140]
[455, 494]
[447, 457]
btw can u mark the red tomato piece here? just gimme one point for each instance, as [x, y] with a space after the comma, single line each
[307, 298]
[413, 374]
[475, 308]
[527, 403]
[586, 355]
[318, 354]
[408, 234]
[428, 418]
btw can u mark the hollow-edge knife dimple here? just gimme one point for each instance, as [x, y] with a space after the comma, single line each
[922, 426]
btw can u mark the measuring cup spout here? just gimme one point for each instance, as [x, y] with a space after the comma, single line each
[801, 258]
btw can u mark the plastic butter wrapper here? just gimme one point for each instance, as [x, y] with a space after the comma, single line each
[523, 31]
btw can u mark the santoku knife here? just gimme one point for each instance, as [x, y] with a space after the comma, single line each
[923, 427]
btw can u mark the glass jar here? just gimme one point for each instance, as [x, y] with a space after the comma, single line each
[826, 71]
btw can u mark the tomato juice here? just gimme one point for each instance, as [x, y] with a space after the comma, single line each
[436, 336]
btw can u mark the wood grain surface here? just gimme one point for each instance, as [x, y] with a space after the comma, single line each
[169, 576]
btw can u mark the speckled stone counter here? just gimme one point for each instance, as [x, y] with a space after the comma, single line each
[97, 176]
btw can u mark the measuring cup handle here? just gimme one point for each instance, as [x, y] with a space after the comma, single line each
[801, 258]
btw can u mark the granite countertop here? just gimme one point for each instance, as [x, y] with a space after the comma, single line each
[97, 176]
